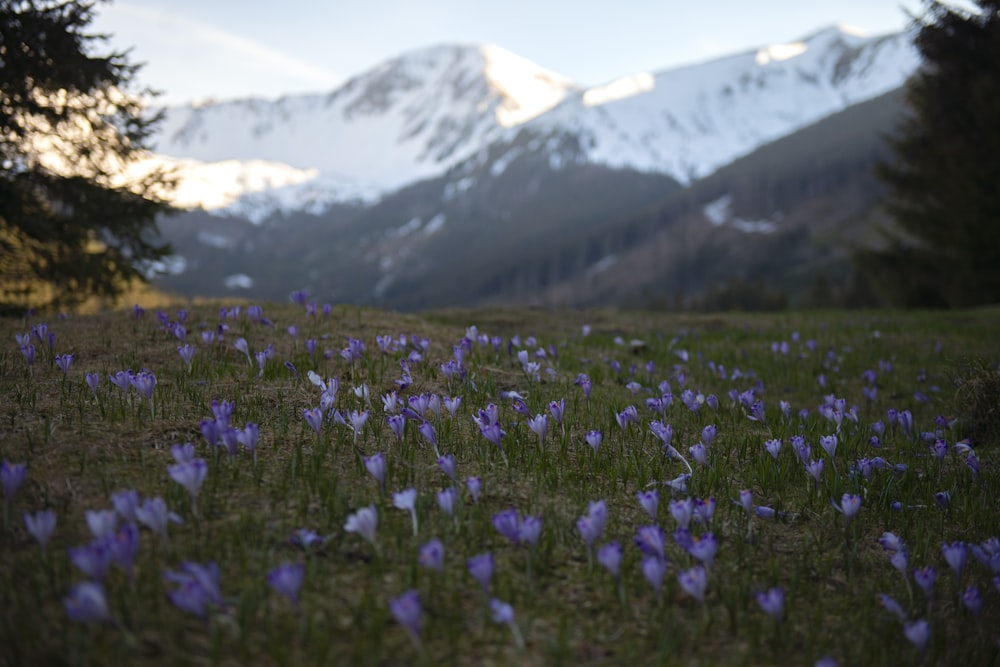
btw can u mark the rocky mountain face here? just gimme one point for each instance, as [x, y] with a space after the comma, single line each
[463, 175]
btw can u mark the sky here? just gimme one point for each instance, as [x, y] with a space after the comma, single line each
[226, 49]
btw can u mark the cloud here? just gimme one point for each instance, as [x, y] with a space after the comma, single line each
[188, 58]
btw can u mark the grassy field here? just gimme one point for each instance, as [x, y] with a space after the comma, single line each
[698, 528]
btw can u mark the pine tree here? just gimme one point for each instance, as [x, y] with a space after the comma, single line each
[944, 179]
[72, 224]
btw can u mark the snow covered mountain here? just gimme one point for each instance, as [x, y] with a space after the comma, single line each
[408, 119]
[425, 112]
[690, 121]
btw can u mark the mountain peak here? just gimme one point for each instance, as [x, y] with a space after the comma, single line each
[528, 90]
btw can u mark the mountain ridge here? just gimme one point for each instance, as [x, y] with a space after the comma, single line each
[422, 113]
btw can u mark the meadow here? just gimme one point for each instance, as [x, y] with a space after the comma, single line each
[299, 484]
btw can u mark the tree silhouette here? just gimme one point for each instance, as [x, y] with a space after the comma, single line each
[77, 215]
[944, 180]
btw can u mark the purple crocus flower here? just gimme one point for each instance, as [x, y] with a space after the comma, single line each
[364, 522]
[452, 404]
[598, 511]
[447, 465]
[681, 511]
[93, 380]
[773, 447]
[955, 554]
[211, 431]
[942, 498]
[849, 505]
[558, 409]
[407, 500]
[772, 603]
[286, 579]
[704, 510]
[183, 453]
[708, 434]
[86, 603]
[101, 522]
[801, 448]
[939, 449]
[665, 432]
[746, 500]
[925, 578]
[764, 512]
[28, 350]
[447, 499]
[593, 439]
[397, 423]
[427, 430]
[92, 559]
[649, 500]
[493, 433]
[988, 553]
[654, 569]
[694, 582]
[530, 530]
[419, 404]
[539, 424]
[314, 418]
[63, 362]
[190, 475]
[249, 436]
[610, 556]
[41, 525]
[144, 382]
[198, 587]
[704, 548]
[432, 555]
[124, 546]
[650, 540]
[125, 503]
[501, 612]
[229, 437]
[590, 529]
[406, 610]
[474, 485]
[481, 568]
[358, 420]
[829, 444]
[508, 524]
[699, 453]
[919, 633]
[223, 412]
[972, 599]
[187, 354]
[153, 514]
[892, 606]
[891, 542]
[11, 478]
[905, 419]
[899, 561]
[815, 468]
[306, 539]
[375, 464]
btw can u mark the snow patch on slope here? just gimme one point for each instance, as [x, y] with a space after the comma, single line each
[238, 281]
[619, 89]
[719, 212]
